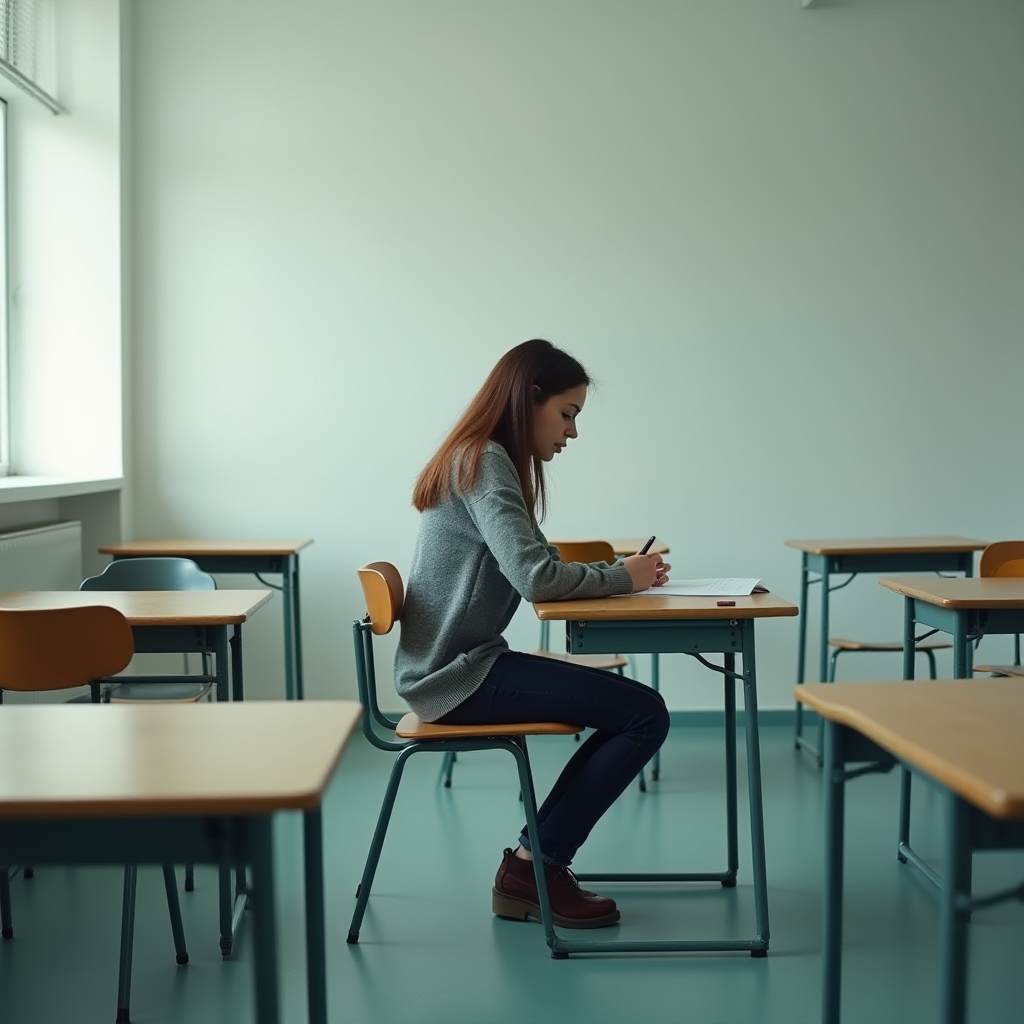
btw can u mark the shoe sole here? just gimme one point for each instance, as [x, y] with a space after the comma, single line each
[515, 909]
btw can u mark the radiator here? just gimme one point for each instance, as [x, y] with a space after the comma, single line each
[41, 558]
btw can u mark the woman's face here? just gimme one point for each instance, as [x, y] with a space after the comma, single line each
[554, 421]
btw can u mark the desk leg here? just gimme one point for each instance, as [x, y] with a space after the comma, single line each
[316, 944]
[961, 657]
[731, 813]
[6, 925]
[268, 1007]
[953, 921]
[801, 650]
[289, 636]
[656, 686]
[832, 922]
[909, 662]
[300, 690]
[220, 656]
[237, 678]
[754, 789]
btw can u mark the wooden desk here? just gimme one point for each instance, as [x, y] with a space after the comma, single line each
[855, 555]
[169, 622]
[966, 736]
[173, 783]
[280, 557]
[697, 626]
[964, 608]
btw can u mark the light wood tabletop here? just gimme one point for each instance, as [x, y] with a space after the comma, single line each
[182, 548]
[622, 546]
[128, 760]
[151, 607]
[887, 545]
[640, 607]
[965, 733]
[987, 592]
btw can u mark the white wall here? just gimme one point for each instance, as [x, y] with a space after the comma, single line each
[788, 243]
[65, 255]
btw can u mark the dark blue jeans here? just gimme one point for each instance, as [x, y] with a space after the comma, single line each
[630, 722]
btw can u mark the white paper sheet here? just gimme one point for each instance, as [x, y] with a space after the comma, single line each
[724, 586]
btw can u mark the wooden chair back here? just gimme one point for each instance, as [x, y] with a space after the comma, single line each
[1003, 558]
[586, 551]
[384, 594]
[57, 648]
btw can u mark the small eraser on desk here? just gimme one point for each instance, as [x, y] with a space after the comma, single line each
[725, 604]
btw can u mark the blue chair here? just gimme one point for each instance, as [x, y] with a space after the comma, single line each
[155, 574]
[57, 648]
[385, 597]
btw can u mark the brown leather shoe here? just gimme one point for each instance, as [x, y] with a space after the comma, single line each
[515, 896]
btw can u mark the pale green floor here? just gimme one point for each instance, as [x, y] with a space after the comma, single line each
[431, 950]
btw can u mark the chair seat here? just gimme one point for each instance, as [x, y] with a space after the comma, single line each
[411, 728]
[162, 693]
[895, 645]
[1001, 670]
[586, 660]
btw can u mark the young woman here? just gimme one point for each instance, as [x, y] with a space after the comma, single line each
[479, 551]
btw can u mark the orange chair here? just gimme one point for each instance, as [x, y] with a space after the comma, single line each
[58, 648]
[1004, 558]
[385, 598]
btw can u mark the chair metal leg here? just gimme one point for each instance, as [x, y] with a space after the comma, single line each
[6, 927]
[377, 843]
[519, 751]
[174, 909]
[124, 976]
[444, 777]
[190, 878]
[931, 664]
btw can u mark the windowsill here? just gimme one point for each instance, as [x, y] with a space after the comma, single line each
[42, 488]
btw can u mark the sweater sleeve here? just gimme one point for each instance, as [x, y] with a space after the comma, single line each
[499, 512]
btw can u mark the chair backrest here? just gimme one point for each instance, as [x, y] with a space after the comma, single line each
[384, 593]
[151, 574]
[586, 551]
[1003, 558]
[56, 648]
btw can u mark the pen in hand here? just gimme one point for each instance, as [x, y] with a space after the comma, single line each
[646, 547]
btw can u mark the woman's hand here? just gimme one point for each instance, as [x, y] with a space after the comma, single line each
[646, 571]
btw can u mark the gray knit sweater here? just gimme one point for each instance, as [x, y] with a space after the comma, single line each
[476, 555]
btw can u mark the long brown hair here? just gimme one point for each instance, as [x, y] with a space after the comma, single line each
[502, 411]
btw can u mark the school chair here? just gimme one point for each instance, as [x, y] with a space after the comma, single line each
[159, 573]
[384, 593]
[1004, 558]
[58, 648]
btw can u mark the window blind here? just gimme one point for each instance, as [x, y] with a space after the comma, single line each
[26, 40]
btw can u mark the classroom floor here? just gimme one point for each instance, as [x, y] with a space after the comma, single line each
[431, 951]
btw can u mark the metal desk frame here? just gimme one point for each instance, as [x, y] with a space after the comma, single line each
[691, 636]
[965, 625]
[854, 563]
[222, 841]
[967, 829]
[287, 567]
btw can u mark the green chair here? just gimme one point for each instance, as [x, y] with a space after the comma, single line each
[57, 648]
[155, 574]
[385, 597]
